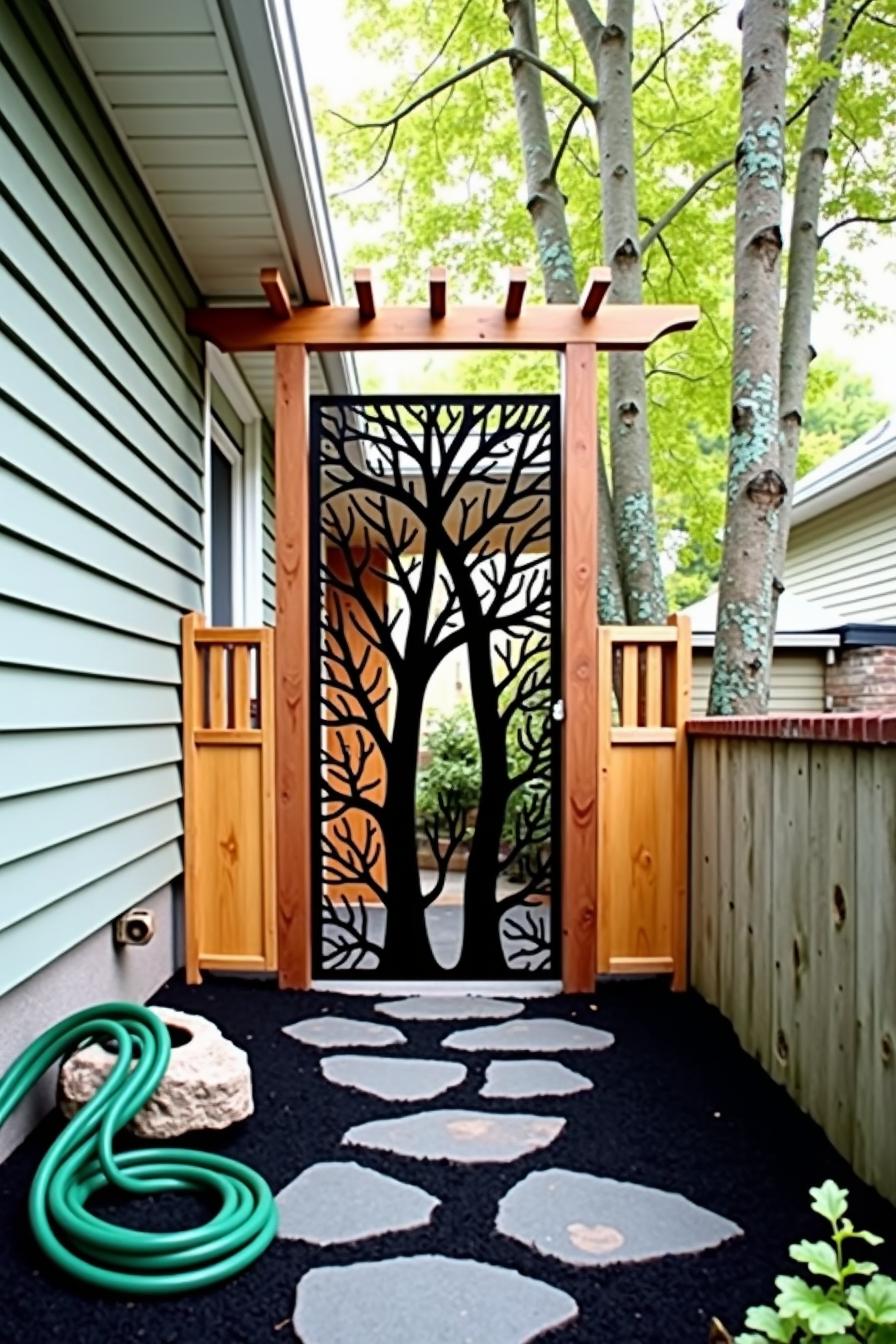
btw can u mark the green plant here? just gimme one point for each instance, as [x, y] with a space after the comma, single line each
[842, 1310]
[453, 775]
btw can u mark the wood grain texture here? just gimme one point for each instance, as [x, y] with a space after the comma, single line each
[229, 824]
[275, 292]
[292, 668]
[803, 934]
[473, 327]
[579, 668]
[596, 286]
[642, 869]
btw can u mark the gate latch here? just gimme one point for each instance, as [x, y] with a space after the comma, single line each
[558, 711]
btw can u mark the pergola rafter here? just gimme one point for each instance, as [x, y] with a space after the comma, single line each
[578, 332]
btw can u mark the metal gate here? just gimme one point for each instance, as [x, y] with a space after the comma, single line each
[435, 715]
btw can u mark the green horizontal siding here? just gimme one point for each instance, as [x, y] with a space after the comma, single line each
[101, 499]
[268, 510]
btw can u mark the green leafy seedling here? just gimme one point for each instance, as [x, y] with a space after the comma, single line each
[840, 1310]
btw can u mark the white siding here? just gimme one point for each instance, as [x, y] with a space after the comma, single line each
[846, 558]
[797, 683]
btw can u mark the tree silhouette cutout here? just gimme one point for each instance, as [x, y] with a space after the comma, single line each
[436, 535]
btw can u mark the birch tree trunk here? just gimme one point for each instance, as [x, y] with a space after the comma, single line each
[547, 210]
[609, 47]
[802, 267]
[742, 659]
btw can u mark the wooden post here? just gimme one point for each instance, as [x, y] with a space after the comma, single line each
[292, 667]
[682, 712]
[192, 622]
[579, 659]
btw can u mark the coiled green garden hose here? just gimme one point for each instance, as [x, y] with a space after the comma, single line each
[81, 1161]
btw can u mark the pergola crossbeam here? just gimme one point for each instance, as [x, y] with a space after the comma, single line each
[438, 293]
[517, 280]
[595, 291]
[364, 290]
[276, 293]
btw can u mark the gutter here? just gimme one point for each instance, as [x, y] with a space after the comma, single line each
[265, 43]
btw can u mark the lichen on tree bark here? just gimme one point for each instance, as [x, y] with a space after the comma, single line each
[755, 490]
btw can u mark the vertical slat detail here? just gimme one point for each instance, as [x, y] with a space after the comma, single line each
[629, 707]
[579, 661]
[217, 683]
[292, 664]
[241, 686]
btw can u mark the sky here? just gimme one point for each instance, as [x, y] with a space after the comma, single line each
[340, 73]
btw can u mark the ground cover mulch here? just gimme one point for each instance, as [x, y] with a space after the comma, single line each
[676, 1104]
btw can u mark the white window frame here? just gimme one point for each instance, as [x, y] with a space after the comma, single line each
[246, 494]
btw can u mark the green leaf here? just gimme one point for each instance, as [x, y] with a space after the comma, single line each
[795, 1297]
[859, 1267]
[829, 1200]
[751, 1339]
[875, 1300]
[870, 1237]
[768, 1320]
[829, 1318]
[820, 1256]
[884, 1334]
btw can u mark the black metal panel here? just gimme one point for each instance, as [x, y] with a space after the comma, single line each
[436, 537]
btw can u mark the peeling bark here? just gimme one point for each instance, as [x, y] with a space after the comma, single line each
[547, 209]
[609, 48]
[756, 488]
[802, 264]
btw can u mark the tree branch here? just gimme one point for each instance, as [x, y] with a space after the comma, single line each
[564, 141]
[502, 54]
[855, 219]
[670, 46]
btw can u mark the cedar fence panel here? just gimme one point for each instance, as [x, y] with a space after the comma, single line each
[229, 817]
[793, 935]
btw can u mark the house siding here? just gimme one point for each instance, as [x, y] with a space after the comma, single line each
[797, 683]
[845, 558]
[101, 498]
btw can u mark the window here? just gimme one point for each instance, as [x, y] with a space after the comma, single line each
[232, 535]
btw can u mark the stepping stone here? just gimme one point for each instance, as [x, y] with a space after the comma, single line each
[334, 1202]
[393, 1079]
[446, 1007]
[591, 1220]
[426, 1299]
[340, 1033]
[540, 1035]
[532, 1078]
[459, 1136]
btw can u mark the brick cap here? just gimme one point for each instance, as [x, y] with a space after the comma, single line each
[870, 728]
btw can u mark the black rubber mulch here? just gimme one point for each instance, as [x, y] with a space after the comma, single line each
[676, 1104]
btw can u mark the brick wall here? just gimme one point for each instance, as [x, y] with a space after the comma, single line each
[863, 679]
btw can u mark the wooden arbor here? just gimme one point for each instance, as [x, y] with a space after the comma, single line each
[577, 332]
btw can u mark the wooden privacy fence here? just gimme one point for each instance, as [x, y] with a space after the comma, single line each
[229, 815]
[644, 702]
[793, 932]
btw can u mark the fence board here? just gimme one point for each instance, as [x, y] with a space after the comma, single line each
[794, 936]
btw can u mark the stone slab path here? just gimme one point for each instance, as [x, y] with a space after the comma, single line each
[459, 1136]
[426, 1299]
[577, 1218]
[334, 1202]
[393, 1079]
